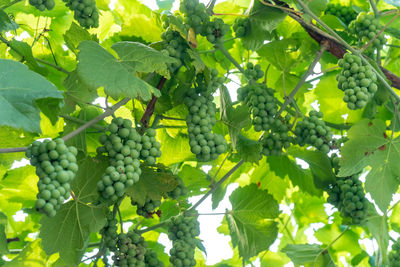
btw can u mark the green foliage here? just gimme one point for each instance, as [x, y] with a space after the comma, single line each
[168, 108]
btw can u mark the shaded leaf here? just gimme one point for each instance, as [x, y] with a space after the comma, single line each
[6, 23]
[251, 223]
[249, 150]
[308, 254]
[18, 96]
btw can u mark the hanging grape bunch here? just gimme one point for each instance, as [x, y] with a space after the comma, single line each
[277, 139]
[85, 12]
[148, 208]
[182, 231]
[366, 27]
[357, 80]
[253, 72]
[262, 103]
[150, 147]
[215, 30]
[394, 255]
[123, 146]
[195, 14]
[56, 167]
[200, 120]
[241, 27]
[109, 232]
[174, 46]
[344, 13]
[313, 131]
[347, 194]
[151, 259]
[178, 191]
[130, 251]
[42, 4]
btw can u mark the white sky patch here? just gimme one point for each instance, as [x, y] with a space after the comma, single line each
[20, 216]
[20, 163]
[22, 36]
[302, 163]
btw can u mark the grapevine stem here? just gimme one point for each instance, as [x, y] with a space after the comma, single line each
[374, 8]
[309, 71]
[212, 190]
[220, 47]
[336, 239]
[171, 118]
[151, 228]
[73, 119]
[281, 7]
[349, 47]
[37, 59]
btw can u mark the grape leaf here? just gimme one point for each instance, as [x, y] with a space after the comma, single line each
[283, 166]
[75, 35]
[249, 150]
[262, 20]
[234, 117]
[18, 96]
[89, 173]
[25, 53]
[153, 184]
[97, 67]
[379, 229]
[143, 58]
[369, 145]
[251, 221]
[68, 232]
[6, 23]
[308, 254]
[320, 165]
[3, 237]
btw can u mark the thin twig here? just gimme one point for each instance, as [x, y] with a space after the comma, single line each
[309, 71]
[151, 228]
[76, 120]
[374, 8]
[220, 47]
[298, 13]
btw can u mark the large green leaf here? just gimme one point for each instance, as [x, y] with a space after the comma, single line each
[283, 166]
[311, 255]
[249, 150]
[378, 227]
[320, 165]
[6, 23]
[77, 91]
[68, 232]
[263, 19]
[18, 96]
[143, 58]
[251, 221]
[75, 35]
[97, 67]
[369, 145]
[25, 54]
[89, 173]
[153, 184]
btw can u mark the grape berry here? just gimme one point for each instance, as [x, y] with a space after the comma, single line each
[85, 12]
[366, 27]
[130, 251]
[241, 27]
[42, 4]
[344, 13]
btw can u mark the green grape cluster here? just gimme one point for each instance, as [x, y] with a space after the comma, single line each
[394, 255]
[208, 85]
[56, 167]
[147, 209]
[150, 147]
[200, 120]
[109, 232]
[215, 30]
[262, 103]
[357, 80]
[366, 27]
[195, 14]
[313, 131]
[123, 146]
[85, 12]
[274, 141]
[344, 13]
[130, 250]
[335, 162]
[347, 194]
[151, 259]
[241, 27]
[42, 4]
[174, 46]
[253, 72]
[182, 231]
[178, 191]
